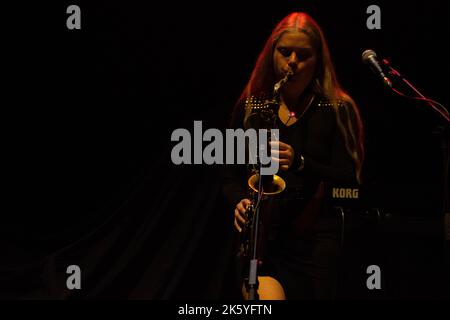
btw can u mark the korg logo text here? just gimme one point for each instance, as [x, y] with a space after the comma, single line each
[345, 193]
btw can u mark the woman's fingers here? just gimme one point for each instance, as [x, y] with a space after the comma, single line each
[281, 162]
[238, 216]
[281, 145]
[239, 213]
[240, 207]
[280, 153]
[284, 150]
[283, 156]
[237, 226]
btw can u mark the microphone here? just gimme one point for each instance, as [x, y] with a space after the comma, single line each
[370, 57]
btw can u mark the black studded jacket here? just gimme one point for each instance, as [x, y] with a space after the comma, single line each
[316, 137]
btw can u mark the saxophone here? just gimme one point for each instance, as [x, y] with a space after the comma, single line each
[271, 185]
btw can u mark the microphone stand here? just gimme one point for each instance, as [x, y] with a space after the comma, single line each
[443, 132]
[252, 284]
[255, 240]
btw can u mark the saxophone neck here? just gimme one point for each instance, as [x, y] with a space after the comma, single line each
[282, 82]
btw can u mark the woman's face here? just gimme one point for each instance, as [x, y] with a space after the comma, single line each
[295, 50]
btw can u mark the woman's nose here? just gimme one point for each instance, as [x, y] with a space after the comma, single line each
[292, 61]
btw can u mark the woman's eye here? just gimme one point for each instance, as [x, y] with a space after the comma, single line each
[285, 52]
[301, 55]
[304, 56]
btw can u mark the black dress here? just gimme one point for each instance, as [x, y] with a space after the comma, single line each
[301, 246]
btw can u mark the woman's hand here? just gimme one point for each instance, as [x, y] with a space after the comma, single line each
[284, 156]
[239, 213]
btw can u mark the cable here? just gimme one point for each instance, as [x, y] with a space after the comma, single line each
[445, 114]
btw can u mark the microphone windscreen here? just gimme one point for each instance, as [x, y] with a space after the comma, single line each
[368, 53]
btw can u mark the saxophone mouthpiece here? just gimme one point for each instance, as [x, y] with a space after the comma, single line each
[290, 73]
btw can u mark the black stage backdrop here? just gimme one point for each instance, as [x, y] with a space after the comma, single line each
[90, 181]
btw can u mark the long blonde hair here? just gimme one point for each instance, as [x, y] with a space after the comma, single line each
[324, 83]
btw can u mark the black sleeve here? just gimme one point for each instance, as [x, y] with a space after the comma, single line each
[234, 175]
[341, 168]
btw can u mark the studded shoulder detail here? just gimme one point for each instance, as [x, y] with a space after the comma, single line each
[256, 102]
[329, 103]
